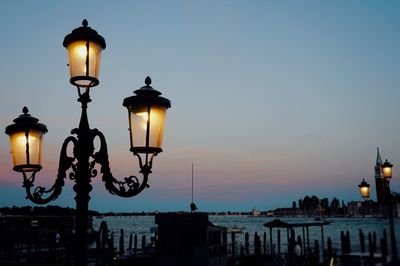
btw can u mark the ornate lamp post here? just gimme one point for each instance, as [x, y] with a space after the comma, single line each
[146, 110]
[387, 174]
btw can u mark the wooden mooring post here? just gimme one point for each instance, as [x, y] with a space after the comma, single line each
[135, 244]
[362, 240]
[265, 243]
[246, 243]
[121, 243]
[130, 242]
[233, 242]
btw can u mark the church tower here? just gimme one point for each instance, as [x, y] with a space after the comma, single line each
[381, 188]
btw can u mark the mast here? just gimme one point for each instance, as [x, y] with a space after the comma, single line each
[193, 206]
[192, 181]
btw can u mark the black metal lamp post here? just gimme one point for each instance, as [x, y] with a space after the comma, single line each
[147, 112]
[387, 174]
[364, 192]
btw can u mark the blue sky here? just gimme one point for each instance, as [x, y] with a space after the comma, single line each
[271, 100]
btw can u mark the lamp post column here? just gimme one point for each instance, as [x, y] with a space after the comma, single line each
[392, 234]
[82, 185]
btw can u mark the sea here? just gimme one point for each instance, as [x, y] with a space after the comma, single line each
[144, 225]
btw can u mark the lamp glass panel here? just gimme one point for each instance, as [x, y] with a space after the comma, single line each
[77, 52]
[18, 148]
[387, 172]
[364, 191]
[139, 121]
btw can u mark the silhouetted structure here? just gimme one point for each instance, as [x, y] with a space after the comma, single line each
[190, 239]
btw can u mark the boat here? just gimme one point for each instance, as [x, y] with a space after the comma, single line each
[236, 229]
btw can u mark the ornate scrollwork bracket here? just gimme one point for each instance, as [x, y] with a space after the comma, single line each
[131, 185]
[39, 192]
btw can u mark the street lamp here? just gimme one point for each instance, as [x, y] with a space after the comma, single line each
[387, 170]
[26, 136]
[387, 174]
[364, 189]
[364, 192]
[84, 47]
[146, 110]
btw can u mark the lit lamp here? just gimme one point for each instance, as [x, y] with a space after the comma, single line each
[387, 170]
[364, 189]
[147, 113]
[84, 47]
[26, 142]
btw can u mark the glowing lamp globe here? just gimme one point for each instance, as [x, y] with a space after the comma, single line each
[84, 46]
[364, 189]
[26, 137]
[387, 170]
[147, 113]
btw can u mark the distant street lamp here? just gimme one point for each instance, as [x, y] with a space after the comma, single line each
[364, 192]
[387, 174]
[364, 189]
[146, 111]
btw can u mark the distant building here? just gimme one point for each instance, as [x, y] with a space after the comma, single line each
[354, 208]
[380, 182]
[255, 213]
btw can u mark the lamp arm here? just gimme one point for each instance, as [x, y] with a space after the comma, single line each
[131, 185]
[65, 163]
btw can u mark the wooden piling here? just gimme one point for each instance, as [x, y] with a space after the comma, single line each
[265, 243]
[300, 243]
[342, 242]
[121, 243]
[130, 242]
[233, 242]
[143, 242]
[329, 249]
[111, 242]
[362, 240]
[270, 241]
[257, 245]
[370, 246]
[383, 251]
[246, 243]
[347, 242]
[316, 251]
[241, 251]
[279, 241]
[135, 244]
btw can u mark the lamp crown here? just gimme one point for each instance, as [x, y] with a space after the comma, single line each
[363, 183]
[84, 33]
[147, 89]
[25, 121]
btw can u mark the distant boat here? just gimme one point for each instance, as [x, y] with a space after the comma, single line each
[236, 229]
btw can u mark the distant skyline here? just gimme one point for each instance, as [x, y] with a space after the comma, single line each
[271, 100]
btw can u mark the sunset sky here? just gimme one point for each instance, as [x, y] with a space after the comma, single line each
[271, 100]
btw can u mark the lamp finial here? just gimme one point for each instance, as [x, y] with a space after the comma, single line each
[147, 81]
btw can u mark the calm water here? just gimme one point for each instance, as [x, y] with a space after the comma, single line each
[141, 225]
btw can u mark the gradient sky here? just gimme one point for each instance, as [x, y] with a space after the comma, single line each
[271, 100]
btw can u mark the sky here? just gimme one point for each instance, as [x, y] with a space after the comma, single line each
[271, 100]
